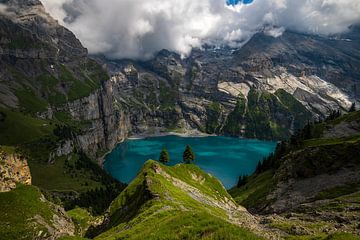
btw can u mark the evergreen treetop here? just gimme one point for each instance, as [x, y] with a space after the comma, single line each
[188, 156]
[164, 156]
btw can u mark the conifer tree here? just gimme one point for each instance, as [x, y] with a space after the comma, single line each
[352, 108]
[164, 156]
[188, 156]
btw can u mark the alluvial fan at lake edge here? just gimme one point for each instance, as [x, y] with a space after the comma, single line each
[224, 157]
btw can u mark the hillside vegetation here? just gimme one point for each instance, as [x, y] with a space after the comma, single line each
[26, 214]
[316, 171]
[180, 202]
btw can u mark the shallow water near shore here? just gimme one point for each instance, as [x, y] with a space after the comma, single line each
[223, 157]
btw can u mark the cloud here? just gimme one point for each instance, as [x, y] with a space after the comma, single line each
[138, 29]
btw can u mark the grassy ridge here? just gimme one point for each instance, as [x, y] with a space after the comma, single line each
[154, 207]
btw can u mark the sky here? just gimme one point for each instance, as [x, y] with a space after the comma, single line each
[138, 29]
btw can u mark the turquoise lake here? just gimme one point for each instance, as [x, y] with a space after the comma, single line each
[224, 157]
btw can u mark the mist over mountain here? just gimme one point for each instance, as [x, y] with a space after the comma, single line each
[138, 29]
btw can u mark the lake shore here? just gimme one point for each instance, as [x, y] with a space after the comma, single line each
[187, 133]
[192, 133]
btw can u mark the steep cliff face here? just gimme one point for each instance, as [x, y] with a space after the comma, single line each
[13, 170]
[107, 124]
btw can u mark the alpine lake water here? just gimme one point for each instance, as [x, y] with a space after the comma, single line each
[223, 157]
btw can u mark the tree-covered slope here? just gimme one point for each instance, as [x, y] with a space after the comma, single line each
[180, 202]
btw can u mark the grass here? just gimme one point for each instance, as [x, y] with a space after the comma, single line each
[342, 203]
[90, 80]
[68, 86]
[331, 141]
[18, 128]
[29, 102]
[299, 111]
[335, 236]
[7, 149]
[18, 208]
[64, 118]
[54, 177]
[22, 42]
[73, 238]
[167, 97]
[49, 85]
[233, 122]
[353, 116]
[338, 191]
[287, 226]
[82, 220]
[152, 207]
[181, 225]
[213, 113]
[253, 193]
[343, 236]
[319, 129]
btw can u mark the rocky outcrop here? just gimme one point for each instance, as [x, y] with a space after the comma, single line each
[108, 124]
[13, 170]
[60, 224]
[304, 174]
[319, 162]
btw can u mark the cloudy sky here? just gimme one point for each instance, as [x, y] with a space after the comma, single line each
[140, 28]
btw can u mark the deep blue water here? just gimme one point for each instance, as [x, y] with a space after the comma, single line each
[224, 157]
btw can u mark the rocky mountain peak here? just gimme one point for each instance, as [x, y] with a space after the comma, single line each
[26, 26]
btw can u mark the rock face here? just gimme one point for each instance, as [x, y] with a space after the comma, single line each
[108, 124]
[13, 170]
[305, 174]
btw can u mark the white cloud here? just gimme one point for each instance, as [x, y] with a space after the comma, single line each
[138, 29]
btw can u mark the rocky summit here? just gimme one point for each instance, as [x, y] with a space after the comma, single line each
[62, 110]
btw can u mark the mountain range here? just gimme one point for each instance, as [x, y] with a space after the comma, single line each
[62, 110]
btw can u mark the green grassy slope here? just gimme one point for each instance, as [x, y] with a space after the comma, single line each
[180, 202]
[25, 214]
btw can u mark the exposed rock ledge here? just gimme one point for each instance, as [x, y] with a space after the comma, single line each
[13, 169]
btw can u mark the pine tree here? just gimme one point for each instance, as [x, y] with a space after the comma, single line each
[242, 181]
[164, 156]
[259, 167]
[352, 108]
[188, 156]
